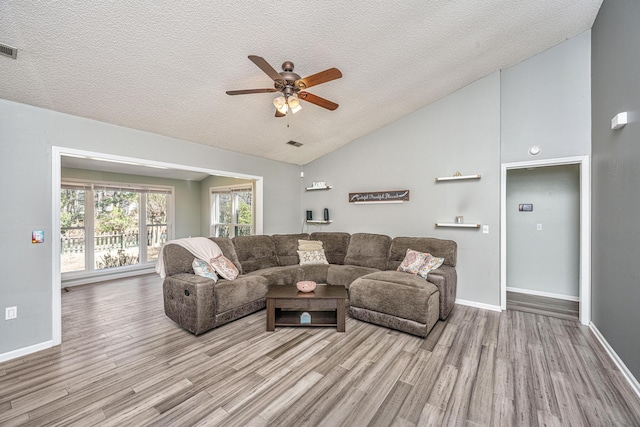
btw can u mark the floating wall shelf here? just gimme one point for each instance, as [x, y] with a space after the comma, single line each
[318, 221]
[328, 187]
[457, 178]
[453, 224]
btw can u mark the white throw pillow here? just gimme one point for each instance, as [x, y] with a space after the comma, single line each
[202, 268]
[309, 245]
[312, 257]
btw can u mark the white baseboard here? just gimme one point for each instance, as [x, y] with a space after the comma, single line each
[543, 294]
[103, 277]
[26, 350]
[479, 305]
[633, 382]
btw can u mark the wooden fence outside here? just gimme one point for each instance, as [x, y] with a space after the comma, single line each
[73, 239]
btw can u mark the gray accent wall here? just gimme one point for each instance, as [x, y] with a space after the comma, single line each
[458, 133]
[27, 135]
[616, 178]
[546, 260]
[545, 101]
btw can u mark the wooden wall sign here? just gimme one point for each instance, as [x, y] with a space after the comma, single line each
[380, 196]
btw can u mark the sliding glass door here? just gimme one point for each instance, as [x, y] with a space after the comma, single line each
[106, 227]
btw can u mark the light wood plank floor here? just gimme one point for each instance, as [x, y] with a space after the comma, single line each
[563, 309]
[122, 362]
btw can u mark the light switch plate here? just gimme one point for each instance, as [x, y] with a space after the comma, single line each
[539, 227]
[10, 313]
[485, 229]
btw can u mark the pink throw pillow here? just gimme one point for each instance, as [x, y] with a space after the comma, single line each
[224, 267]
[412, 261]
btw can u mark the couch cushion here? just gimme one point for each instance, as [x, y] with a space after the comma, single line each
[369, 250]
[231, 294]
[287, 275]
[335, 245]
[287, 246]
[344, 275]
[228, 250]
[395, 293]
[315, 272]
[255, 252]
[446, 249]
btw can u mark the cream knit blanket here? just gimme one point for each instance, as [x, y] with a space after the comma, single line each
[200, 247]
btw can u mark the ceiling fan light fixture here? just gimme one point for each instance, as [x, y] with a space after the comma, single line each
[281, 104]
[294, 103]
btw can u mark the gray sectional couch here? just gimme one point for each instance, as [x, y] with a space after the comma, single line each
[363, 263]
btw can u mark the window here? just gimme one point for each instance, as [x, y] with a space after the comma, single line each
[232, 211]
[106, 226]
[72, 232]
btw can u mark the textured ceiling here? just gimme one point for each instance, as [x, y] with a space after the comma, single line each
[164, 66]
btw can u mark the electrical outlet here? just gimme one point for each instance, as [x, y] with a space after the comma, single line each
[10, 313]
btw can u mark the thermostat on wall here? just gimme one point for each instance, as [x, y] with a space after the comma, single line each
[619, 120]
[525, 207]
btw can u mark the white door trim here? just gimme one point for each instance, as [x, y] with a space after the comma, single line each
[585, 227]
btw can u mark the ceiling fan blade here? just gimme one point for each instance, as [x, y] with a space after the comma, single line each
[279, 114]
[314, 99]
[321, 77]
[246, 91]
[264, 66]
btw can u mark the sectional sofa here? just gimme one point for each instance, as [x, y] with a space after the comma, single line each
[365, 264]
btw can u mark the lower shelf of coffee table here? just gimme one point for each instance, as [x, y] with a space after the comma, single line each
[318, 318]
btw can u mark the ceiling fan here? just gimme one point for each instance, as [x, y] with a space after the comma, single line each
[291, 86]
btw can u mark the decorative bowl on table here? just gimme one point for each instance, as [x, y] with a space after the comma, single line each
[306, 286]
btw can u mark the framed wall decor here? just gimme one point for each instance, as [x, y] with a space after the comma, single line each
[394, 196]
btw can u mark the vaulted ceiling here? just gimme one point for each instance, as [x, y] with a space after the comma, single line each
[164, 66]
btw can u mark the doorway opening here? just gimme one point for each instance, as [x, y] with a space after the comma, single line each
[57, 154]
[545, 237]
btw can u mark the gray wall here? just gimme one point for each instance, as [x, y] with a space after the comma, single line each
[186, 194]
[616, 178]
[26, 136]
[547, 260]
[459, 132]
[545, 101]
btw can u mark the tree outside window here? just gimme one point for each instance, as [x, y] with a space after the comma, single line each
[232, 210]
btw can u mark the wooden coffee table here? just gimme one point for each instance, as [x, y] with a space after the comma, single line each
[326, 305]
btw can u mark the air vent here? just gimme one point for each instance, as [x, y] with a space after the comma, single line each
[9, 51]
[295, 144]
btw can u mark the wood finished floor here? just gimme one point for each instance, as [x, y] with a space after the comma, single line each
[563, 309]
[122, 362]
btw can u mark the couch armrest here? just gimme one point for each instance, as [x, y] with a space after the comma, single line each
[446, 280]
[189, 301]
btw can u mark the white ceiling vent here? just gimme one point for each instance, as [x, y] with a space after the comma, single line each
[294, 143]
[9, 51]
